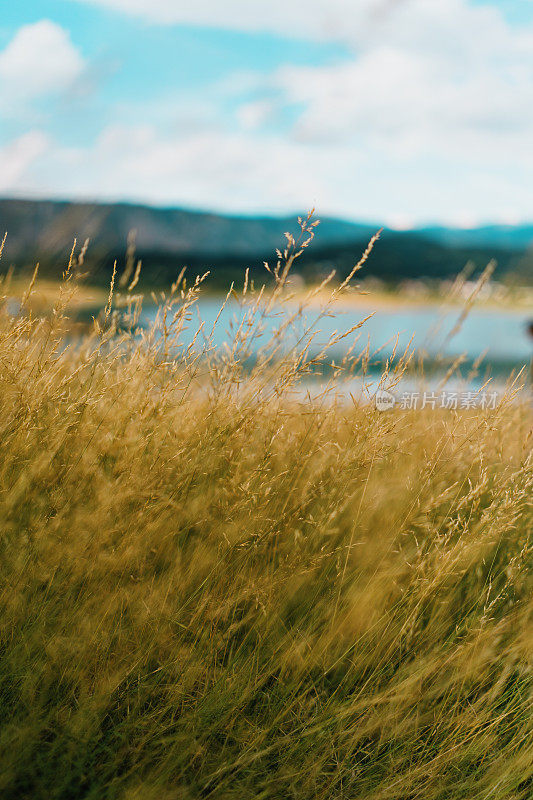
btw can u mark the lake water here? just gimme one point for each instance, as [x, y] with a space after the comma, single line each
[499, 334]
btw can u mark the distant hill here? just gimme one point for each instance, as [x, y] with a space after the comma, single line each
[47, 227]
[502, 237]
[167, 238]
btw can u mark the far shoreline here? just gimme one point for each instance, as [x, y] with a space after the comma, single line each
[46, 293]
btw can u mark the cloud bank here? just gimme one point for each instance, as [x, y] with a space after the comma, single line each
[316, 19]
[427, 111]
[40, 59]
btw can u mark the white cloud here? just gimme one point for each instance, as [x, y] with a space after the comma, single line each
[236, 172]
[18, 156]
[317, 19]
[429, 113]
[432, 24]
[410, 106]
[208, 168]
[425, 78]
[255, 114]
[40, 59]
[444, 79]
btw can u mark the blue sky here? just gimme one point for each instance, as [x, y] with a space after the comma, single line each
[402, 111]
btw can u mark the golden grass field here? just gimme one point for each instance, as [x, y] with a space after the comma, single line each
[213, 588]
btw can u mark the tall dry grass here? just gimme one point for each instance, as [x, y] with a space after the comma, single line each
[212, 587]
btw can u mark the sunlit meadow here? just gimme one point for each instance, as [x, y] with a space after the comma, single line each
[215, 586]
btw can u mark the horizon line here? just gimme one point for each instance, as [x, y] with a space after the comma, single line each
[398, 226]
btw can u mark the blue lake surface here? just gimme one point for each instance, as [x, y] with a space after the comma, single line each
[501, 335]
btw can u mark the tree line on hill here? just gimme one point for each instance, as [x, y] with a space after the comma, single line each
[169, 239]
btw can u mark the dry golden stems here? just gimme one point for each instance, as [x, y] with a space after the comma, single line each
[360, 264]
[171, 560]
[290, 255]
[107, 309]
[83, 252]
[252, 328]
[130, 258]
[136, 277]
[27, 294]
[293, 250]
[480, 283]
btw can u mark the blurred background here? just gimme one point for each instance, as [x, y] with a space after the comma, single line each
[201, 130]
